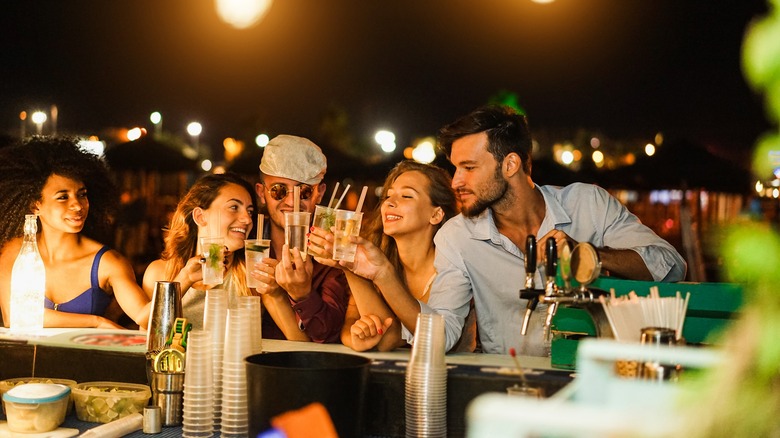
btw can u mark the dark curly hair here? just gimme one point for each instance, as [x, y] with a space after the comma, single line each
[27, 165]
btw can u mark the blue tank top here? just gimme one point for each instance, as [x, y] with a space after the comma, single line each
[92, 301]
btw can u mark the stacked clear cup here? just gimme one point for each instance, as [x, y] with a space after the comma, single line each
[197, 419]
[254, 304]
[426, 380]
[235, 420]
[214, 319]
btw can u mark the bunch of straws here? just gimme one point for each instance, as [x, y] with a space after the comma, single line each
[333, 196]
[629, 314]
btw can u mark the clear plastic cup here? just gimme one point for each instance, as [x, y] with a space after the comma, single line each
[347, 224]
[296, 230]
[426, 380]
[255, 251]
[213, 250]
[254, 304]
[324, 217]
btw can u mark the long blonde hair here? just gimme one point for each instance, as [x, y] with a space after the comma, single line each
[181, 240]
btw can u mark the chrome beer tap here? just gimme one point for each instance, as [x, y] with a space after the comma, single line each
[583, 260]
[529, 293]
[551, 291]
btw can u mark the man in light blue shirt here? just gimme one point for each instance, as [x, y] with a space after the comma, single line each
[479, 253]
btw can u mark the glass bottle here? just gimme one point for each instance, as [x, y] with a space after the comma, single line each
[28, 281]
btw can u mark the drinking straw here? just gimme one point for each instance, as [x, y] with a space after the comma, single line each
[610, 317]
[682, 320]
[260, 226]
[346, 189]
[333, 196]
[296, 199]
[362, 198]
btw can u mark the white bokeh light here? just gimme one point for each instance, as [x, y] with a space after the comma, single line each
[262, 140]
[424, 152]
[242, 14]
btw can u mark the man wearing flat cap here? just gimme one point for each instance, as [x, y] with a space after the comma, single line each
[306, 300]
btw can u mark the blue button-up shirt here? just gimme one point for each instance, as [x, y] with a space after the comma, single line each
[474, 260]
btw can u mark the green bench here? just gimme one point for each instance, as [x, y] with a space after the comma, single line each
[711, 307]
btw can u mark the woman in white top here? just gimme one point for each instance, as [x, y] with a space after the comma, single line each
[393, 269]
[216, 205]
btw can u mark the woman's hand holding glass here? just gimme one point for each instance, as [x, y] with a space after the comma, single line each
[265, 274]
[321, 247]
[370, 262]
[191, 273]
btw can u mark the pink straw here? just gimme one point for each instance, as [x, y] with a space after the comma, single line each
[362, 198]
[296, 199]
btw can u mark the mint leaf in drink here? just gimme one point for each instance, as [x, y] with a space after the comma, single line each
[214, 255]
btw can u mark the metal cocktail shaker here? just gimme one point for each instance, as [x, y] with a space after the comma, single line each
[166, 307]
[168, 394]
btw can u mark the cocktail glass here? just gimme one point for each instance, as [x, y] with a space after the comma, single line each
[213, 250]
[255, 250]
[324, 217]
[347, 225]
[296, 231]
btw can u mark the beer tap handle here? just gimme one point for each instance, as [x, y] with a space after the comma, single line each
[530, 254]
[551, 258]
[551, 267]
[530, 261]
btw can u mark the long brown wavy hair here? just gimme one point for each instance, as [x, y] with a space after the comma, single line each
[439, 190]
[181, 240]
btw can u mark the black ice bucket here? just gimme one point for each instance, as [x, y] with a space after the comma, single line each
[284, 381]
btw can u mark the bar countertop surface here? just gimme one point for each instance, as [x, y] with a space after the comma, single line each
[119, 355]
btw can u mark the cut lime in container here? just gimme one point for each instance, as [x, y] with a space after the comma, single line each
[104, 402]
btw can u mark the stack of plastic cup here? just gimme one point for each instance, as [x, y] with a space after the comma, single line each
[254, 304]
[235, 419]
[198, 416]
[426, 380]
[214, 318]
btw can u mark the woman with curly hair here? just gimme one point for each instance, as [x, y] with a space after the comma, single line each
[394, 259]
[74, 197]
[216, 205]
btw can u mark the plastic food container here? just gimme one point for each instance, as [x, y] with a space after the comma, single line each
[36, 407]
[7, 384]
[104, 402]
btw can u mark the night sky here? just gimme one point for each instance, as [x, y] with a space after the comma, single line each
[626, 68]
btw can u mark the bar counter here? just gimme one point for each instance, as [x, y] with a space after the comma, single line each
[55, 354]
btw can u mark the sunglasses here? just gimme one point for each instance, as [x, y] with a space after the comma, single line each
[279, 191]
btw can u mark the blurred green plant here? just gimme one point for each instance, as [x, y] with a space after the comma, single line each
[741, 397]
[761, 67]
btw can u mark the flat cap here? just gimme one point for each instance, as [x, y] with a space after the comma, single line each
[295, 158]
